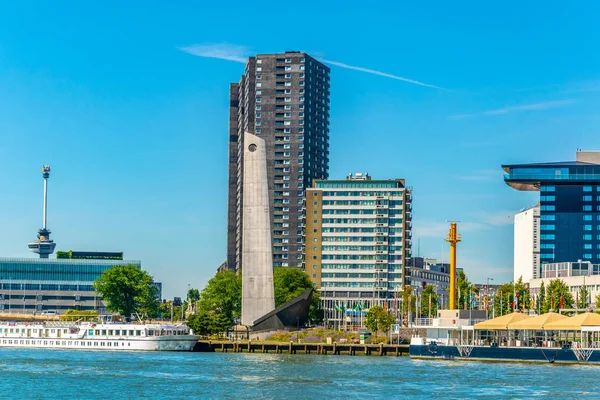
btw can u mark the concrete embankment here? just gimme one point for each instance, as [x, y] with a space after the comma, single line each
[208, 346]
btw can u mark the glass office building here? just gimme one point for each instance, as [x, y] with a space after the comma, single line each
[569, 206]
[29, 285]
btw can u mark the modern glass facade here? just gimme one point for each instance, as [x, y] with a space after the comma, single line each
[30, 285]
[569, 208]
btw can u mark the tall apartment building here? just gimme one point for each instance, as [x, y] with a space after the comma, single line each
[358, 241]
[569, 206]
[284, 99]
[527, 244]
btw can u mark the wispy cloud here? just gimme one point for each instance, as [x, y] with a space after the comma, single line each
[384, 74]
[231, 52]
[224, 51]
[476, 222]
[526, 107]
[483, 175]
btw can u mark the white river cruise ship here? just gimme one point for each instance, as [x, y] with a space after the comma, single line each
[113, 336]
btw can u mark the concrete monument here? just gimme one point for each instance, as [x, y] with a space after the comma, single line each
[258, 298]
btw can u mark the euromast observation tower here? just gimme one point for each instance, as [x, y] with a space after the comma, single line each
[43, 245]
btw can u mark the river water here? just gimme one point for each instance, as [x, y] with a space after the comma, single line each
[64, 374]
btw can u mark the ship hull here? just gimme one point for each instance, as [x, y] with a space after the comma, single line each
[508, 354]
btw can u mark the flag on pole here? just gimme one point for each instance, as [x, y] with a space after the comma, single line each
[561, 301]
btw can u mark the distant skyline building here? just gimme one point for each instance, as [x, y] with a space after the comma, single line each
[420, 272]
[527, 244]
[358, 241]
[569, 205]
[30, 285]
[43, 246]
[283, 99]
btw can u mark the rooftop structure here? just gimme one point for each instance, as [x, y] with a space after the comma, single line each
[43, 246]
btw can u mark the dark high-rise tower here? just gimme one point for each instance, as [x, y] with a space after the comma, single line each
[284, 99]
[43, 245]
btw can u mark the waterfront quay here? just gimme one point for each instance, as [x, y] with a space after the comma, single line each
[209, 346]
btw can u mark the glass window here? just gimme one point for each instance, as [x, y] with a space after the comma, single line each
[587, 188]
[587, 208]
[587, 237]
[587, 198]
[587, 227]
[587, 217]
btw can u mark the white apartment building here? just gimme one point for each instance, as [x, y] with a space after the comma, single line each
[357, 243]
[527, 244]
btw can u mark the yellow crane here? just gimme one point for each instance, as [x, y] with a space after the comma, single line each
[453, 237]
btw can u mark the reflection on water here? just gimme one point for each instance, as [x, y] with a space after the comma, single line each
[98, 374]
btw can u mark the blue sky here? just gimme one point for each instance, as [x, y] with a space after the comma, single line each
[134, 124]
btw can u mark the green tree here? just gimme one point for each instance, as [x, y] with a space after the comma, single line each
[429, 297]
[83, 315]
[503, 299]
[523, 295]
[541, 299]
[465, 290]
[583, 297]
[557, 292]
[289, 283]
[125, 289]
[222, 297]
[149, 305]
[408, 301]
[200, 323]
[378, 319]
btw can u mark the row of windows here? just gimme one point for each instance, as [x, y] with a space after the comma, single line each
[352, 239]
[398, 193]
[386, 267]
[362, 248]
[553, 237]
[54, 270]
[349, 275]
[591, 217]
[360, 257]
[590, 188]
[586, 207]
[391, 203]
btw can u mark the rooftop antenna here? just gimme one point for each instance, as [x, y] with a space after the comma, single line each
[43, 245]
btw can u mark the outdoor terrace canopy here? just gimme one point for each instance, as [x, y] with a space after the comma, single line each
[536, 323]
[501, 323]
[574, 323]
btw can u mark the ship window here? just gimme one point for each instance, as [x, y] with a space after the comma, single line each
[138, 333]
[110, 332]
[97, 332]
[103, 332]
[130, 333]
[91, 332]
[118, 332]
[150, 332]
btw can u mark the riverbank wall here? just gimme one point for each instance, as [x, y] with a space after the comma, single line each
[208, 346]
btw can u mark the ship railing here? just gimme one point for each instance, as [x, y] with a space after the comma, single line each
[423, 321]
